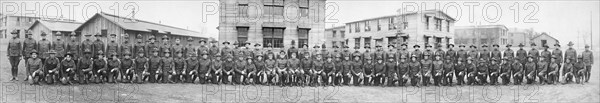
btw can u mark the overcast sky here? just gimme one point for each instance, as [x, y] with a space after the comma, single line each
[561, 19]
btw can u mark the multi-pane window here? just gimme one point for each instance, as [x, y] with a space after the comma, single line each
[391, 25]
[334, 33]
[356, 28]
[242, 34]
[448, 26]
[243, 10]
[303, 7]
[357, 42]
[367, 26]
[343, 34]
[368, 41]
[273, 36]
[273, 7]
[438, 24]
[405, 24]
[426, 22]
[302, 37]
[378, 25]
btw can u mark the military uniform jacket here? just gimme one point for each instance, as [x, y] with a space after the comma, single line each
[214, 50]
[127, 64]
[357, 67]
[438, 66]
[473, 54]
[546, 54]
[290, 51]
[204, 65]
[193, 64]
[404, 53]
[167, 64]
[483, 67]
[29, 45]
[451, 54]
[191, 49]
[418, 53]
[426, 65]
[282, 64]
[579, 66]
[558, 54]
[328, 66]
[380, 68]
[530, 67]
[496, 54]
[568, 68]
[318, 65]
[368, 67]
[390, 67]
[179, 64]
[140, 47]
[448, 67]
[517, 67]
[66, 64]
[60, 48]
[509, 53]
[98, 45]
[339, 66]
[462, 54]
[306, 65]
[226, 51]
[98, 64]
[216, 65]
[178, 48]
[270, 64]
[571, 54]
[50, 64]
[251, 68]
[240, 66]
[203, 48]
[86, 44]
[260, 65]
[553, 67]
[535, 53]
[485, 54]
[249, 52]
[114, 63]
[84, 63]
[126, 46]
[153, 47]
[227, 67]
[522, 55]
[588, 57]
[141, 63]
[43, 48]
[294, 64]
[403, 68]
[73, 47]
[428, 52]
[506, 67]
[154, 63]
[471, 67]
[415, 67]
[439, 52]
[14, 47]
[460, 67]
[164, 47]
[346, 66]
[494, 68]
[35, 64]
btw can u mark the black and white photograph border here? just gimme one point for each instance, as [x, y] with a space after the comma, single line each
[299, 51]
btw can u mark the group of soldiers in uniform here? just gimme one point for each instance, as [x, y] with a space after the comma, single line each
[70, 62]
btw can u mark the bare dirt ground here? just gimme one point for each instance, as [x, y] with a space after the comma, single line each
[22, 92]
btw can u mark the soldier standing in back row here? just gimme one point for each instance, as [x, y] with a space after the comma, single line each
[570, 54]
[462, 54]
[403, 51]
[428, 52]
[178, 47]
[508, 53]
[558, 54]
[473, 54]
[165, 45]
[86, 44]
[191, 48]
[534, 53]
[113, 45]
[73, 46]
[588, 59]
[43, 47]
[391, 67]
[29, 44]
[496, 53]
[126, 46]
[521, 55]
[140, 46]
[357, 67]
[546, 53]
[14, 51]
[98, 45]
[485, 54]
[417, 52]
[451, 54]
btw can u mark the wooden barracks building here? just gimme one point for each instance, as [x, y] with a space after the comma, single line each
[276, 22]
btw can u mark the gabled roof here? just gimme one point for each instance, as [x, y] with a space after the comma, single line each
[141, 25]
[540, 35]
[57, 25]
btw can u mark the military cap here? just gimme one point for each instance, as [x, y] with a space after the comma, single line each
[155, 50]
[191, 54]
[257, 45]
[14, 31]
[33, 51]
[521, 45]
[469, 58]
[228, 56]
[214, 41]
[449, 45]
[495, 45]
[413, 56]
[391, 56]
[240, 53]
[356, 47]
[460, 59]
[508, 45]
[190, 39]
[113, 54]
[346, 46]
[58, 33]
[379, 57]
[126, 35]
[416, 46]
[402, 56]
[100, 52]
[368, 57]
[570, 43]
[303, 45]
[323, 46]
[335, 46]
[165, 37]
[113, 35]
[472, 46]
[428, 46]
[579, 56]
[167, 51]
[152, 37]
[52, 52]
[438, 45]
[139, 36]
[587, 46]
[282, 52]
[316, 46]
[391, 45]
[367, 47]
[533, 44]
[70, 54]
[356, 54]
[43, 34]
[545, 46]
[461, 45]
[403, 44]
[484, 45]
[226, 42]
[338, 55]
[73, 33]
[554, 57]
[87, 50]
[557, 45]
[261, 54]
[202, 41]
[235, 43]
[377, 46]
[218, 55]
[204, 52]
